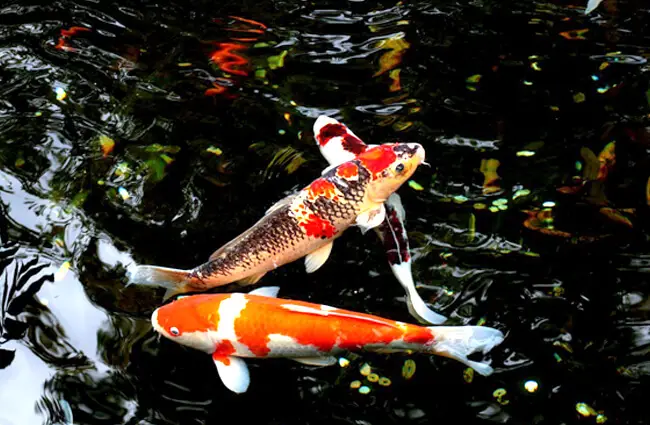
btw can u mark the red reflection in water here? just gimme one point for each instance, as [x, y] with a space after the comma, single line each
[228, 55]
[65, 35]
[228, 60]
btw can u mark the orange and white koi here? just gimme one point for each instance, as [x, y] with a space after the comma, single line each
[338, 144]
[304, 224]
[235, 326]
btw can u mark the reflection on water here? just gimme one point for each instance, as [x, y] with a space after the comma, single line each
[156, 132]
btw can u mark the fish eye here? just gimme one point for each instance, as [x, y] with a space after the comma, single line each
[174, 331]
[399, 167]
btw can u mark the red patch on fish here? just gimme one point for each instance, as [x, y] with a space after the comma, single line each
[224, 349]
[350, 143]
[322, 187]
[317, 227]
[378, 158]
[347, 170]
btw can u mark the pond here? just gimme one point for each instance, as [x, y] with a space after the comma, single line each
[156, 132]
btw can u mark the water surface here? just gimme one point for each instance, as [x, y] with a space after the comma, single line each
[155, 132]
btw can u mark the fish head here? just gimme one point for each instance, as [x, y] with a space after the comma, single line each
[189, 320]
[389, 166]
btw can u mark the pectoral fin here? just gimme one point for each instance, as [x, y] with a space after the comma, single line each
[316, 361]
[233, 372]
[371, 218]
[316, 259]
[266, 291]
[251, 280]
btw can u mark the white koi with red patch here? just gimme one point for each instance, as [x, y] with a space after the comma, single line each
[231, 327]
[338, 144]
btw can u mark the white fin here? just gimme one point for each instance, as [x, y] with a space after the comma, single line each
[233, 372]
[266, 291]
[458, 342]
[371, 218]
[395, 202]
[251, 280]
[282, 202]
[592, 5]
[316, 361]
[174, 280]
[416, 305]
[315, 259]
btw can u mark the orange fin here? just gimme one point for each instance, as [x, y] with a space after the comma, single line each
[315, 259]
[251, 280]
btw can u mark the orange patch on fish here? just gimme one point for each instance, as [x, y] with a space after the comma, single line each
[378, 158]
[317, 227]
[322, 187]
[256, 338]
[325, 330]
[207, 316]
[348, 171]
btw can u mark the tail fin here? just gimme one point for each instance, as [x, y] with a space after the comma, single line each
[458, 342]
[174, 280]
[415, 304]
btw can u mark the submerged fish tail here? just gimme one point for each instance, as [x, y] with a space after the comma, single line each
[415, 304]
[174, 280]
[458, 342]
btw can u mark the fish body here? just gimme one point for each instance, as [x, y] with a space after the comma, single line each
[232, 327]
[304, 224]
[338, 144]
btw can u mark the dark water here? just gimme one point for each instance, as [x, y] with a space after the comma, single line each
[162, 130]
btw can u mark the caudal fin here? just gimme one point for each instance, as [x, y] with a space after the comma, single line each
[174, 280]
[415, 304]
[458, 342]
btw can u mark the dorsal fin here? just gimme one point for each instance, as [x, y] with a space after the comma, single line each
[282, 202]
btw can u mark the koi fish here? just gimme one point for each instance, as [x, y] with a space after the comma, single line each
[232, 327]
[304, 224]
[338, 144]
